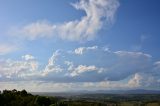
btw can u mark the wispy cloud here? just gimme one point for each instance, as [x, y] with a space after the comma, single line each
[81, 50]
[98, 13]
[137, 47]
[7, 48]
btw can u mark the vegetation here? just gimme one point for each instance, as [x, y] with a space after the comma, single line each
[22, 98]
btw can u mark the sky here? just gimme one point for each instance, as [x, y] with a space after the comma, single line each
[72, 45]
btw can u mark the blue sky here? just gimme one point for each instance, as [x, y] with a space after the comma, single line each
[67, 45]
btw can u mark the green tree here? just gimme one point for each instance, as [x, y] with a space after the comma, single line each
[43, 101]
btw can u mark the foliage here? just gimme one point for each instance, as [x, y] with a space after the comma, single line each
[22, 98]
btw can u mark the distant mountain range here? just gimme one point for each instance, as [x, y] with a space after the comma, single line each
[74, 93]
[137, 91]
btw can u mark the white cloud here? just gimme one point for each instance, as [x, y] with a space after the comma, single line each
[101, 68]
[51, 66]
[34, 30]
[50, 86]
[144, 80]
[133, 54]
[7, 48]
[83, 69]
[135, 81]
[28, 57]
[98, 12]
[96, 66]
[62, 66]
[39, 86]
[17, 69]
[80, 50]
[70, 65]
[157, 64]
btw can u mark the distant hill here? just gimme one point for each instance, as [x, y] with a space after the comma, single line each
[137, 91]
[75, 93]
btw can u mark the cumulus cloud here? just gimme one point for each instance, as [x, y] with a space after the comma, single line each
[135, 81]
[7, 48]
[101, 67]
[17, 69]
[144, 80]
[83, 69]
[51, 67]
[98, 13]
[39, 86]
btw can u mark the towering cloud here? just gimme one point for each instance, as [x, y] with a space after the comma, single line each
[90, 69]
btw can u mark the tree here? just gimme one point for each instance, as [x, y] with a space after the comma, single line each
[43, 101]
[24, 92]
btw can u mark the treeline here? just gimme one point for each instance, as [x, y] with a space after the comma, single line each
[22, 98]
